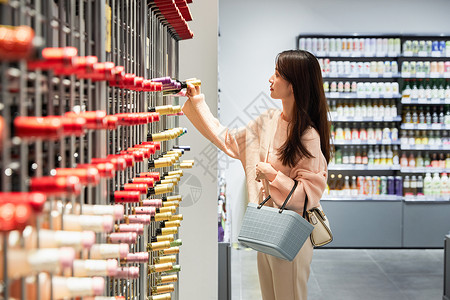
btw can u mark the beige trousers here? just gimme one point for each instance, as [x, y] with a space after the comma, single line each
[285, 280]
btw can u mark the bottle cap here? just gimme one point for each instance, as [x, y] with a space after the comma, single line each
[66, 257]
[140, 219]
[111, 267]
[98, 285]
[127, 196]
[123, 250]
[134, 227]
[123, 237]
[141, 257]
[140, 187]
[152, 202]
[145, 210]
[108, 223]
[56, 185]
[119, 212]
[145, 180]
[87, 239]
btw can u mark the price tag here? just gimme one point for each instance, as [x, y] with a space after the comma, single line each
[436, 126]
[387, 95]
[386, 142]
[409, 126]
[420, 75]
[387, 74]
[372, 142]
[392, 54]
[422, 54]
[381, 54]
[447, 126]
[420, 147]
[358, 119]
[356, 142]
[422, 126]
[436, 100]
[378, 118]
[408, 53]
[435, 53]
[333, 74]
[447, 101]
[435, 75]
[333, 53]
[369, 54]
[406, 100]
[447, 75]
[356, 54]
[345, 54]
[388, 119]
[373, 75]
[375, 95]
[334, 95]
[320, 53]
[362, 94]
[406, 74]
[422, 101]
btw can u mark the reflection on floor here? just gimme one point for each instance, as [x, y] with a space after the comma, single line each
[350, 274]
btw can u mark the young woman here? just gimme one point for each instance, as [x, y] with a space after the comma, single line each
[296, 147]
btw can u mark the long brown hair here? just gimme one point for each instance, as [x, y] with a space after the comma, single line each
[301, 69]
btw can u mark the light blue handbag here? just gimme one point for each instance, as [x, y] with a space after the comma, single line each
[278, 232]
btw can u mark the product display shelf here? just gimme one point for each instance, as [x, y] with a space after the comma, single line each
[89, 150]
[366, 119]
[365, 142]
[378, 58]
[425, 101]
[422, 170]
[363, 198]
[361, 167]
[355, 95]
[425, 126]
[425, 147]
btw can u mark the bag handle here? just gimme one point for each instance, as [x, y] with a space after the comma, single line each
[285, 201]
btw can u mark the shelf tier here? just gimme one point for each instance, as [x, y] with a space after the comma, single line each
[362, 143]
[425, 147]
[388, 198]
[364, 198]
[362, 76]
[366, 119]
[360, 167]
[424, 170]
[425, 101]
[342, 95]
[410, 126]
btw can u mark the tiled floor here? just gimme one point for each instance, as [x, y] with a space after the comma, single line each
[354, 274]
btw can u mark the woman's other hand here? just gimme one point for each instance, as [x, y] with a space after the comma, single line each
[265, 171]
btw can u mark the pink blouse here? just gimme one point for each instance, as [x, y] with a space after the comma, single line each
[249, 144]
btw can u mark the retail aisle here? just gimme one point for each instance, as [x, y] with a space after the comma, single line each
[354, 274]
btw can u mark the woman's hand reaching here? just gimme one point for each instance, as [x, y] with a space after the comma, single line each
[265, 171]
[192, 91]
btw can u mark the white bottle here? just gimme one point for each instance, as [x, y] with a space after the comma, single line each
[28, 262]
[94, 267]
[444, 186]
[98, 224]
[106, 251]
[427, 185]
[436, 185]
[58, 238]
[70, 287]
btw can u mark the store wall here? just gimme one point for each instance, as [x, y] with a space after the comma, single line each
[252, 32]
[198, 255]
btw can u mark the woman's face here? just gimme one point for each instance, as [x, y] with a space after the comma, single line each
[280, 88]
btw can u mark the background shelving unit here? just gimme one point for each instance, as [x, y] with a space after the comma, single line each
[386, 220]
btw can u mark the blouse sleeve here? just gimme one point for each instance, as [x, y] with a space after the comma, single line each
[232, 142]
[311, 174]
